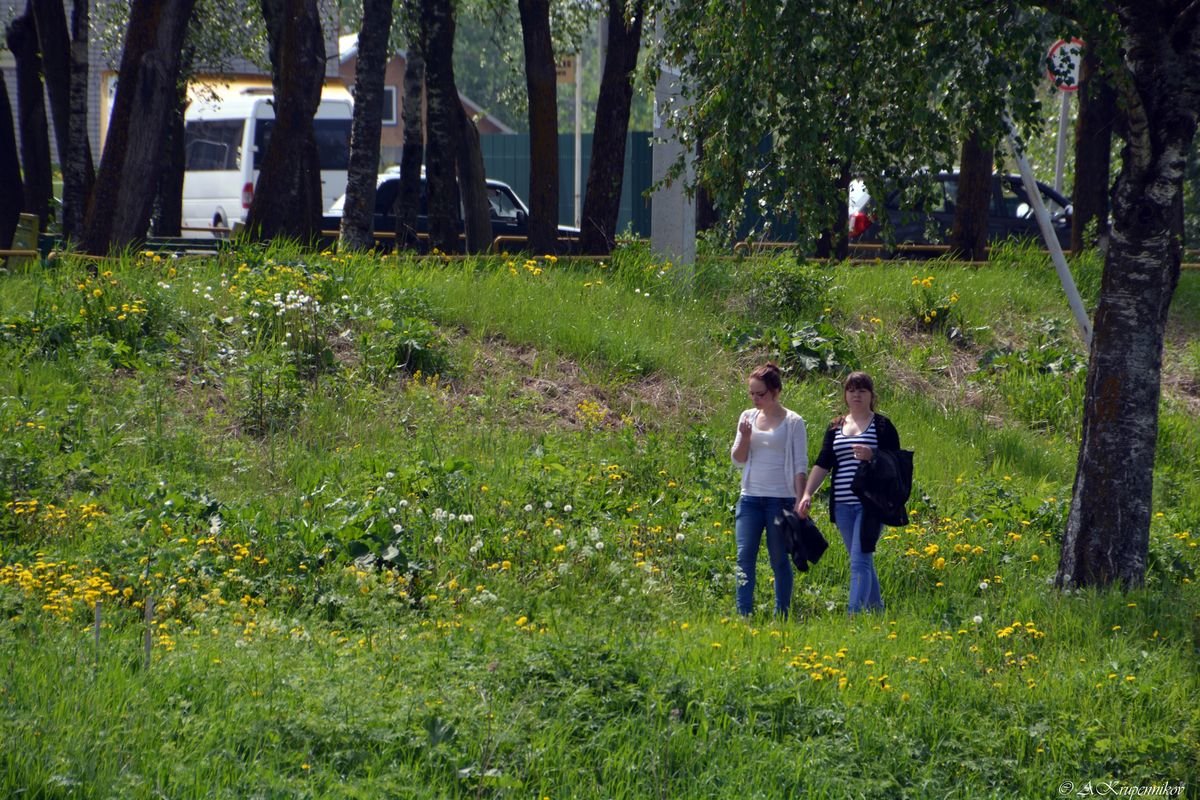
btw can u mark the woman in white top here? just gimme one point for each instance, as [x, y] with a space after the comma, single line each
[771, 449]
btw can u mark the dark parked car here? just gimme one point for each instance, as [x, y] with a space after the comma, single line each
[1010, 214]
[510, 216]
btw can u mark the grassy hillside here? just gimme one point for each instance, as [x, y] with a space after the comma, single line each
[280, 524]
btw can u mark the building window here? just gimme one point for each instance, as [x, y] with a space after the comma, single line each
[390, 111]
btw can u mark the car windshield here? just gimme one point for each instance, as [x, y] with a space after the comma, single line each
[504, 206]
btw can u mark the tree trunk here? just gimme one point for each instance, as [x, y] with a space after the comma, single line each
[21, 38]
[602, 200]
[79, 173]
[541, 85]
[1108, 529]
[445, 112]
[167, 219]
[58, 67]
[968, 237]
[119, 211]
[834, 241]
[10, 171]
[408, 199]
[55, 43]
[1093, 144]
[358, 217]
[706, 210]
[477, 219]
[287, 199]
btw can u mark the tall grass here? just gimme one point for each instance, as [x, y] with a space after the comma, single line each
[436, 529]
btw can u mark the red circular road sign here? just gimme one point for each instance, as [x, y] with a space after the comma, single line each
[1062, 64]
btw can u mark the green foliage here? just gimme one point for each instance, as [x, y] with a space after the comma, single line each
[787, 288]
[775, 122]
[934, 309]
[818, 347]
[1042, 383]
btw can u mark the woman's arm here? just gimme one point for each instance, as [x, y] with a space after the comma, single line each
[815, 479]
[741, 441]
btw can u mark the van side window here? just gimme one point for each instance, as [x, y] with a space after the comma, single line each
[333, 142]
[211, 145]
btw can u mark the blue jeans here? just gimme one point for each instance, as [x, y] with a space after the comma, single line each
[754, 515]
[864, 582]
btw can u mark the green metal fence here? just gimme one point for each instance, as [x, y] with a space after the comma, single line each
[506, 157]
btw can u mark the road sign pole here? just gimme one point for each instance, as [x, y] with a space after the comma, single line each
[1049, 236]
[1060, 157]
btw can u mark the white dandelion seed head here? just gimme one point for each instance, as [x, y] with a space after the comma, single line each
[568, 508]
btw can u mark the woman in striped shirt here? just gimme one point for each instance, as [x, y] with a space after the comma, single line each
[852, 438]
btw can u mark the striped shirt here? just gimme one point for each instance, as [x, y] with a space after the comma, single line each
[843, 448]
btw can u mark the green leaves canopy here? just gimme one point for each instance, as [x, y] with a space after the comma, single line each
[790, 98]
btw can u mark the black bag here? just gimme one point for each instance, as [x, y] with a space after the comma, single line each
[885, 483]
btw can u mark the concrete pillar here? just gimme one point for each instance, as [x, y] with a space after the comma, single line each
[672, 211]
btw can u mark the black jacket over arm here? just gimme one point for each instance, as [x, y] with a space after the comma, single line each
[889, 439]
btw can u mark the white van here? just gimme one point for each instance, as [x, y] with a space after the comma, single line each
[225, 139]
